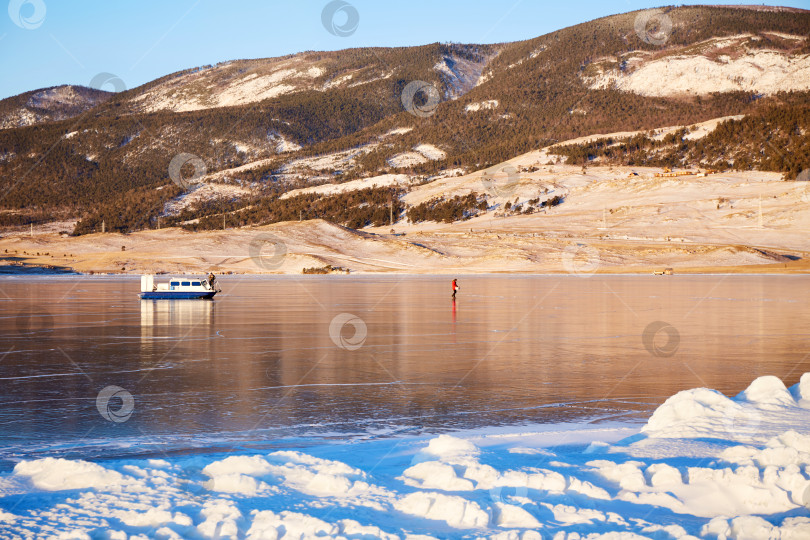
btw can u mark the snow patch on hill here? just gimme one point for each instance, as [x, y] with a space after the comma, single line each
[255, 89]
[534, 54]
[283, 144]
[460, 73]
[697, 131]
[325, 162]
[430, 151]
[338, 81]
[386, 75]
[717, 65]
[364, 183]
[218, 88]
[420, 154]
[482, 105]
[398, 131]
[203, 192]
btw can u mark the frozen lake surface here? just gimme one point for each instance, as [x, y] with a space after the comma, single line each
[359, 407]
[259, 364]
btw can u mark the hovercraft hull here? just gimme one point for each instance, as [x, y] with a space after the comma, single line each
[177, 295]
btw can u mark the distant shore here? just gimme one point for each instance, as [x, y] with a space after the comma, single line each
[612, 220]
[290, 248]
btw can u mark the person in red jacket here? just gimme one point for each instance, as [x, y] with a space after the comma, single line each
[455, 288]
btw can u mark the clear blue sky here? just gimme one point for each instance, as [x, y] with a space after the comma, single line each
[73, 41]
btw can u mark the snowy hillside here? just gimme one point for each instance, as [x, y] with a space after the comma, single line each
[250, 81]
[229, 85]
[737, 63]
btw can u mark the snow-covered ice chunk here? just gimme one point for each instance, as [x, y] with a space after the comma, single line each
[801, 391]
[268, 525]
[250, 465]
[456, 511]
[55, 474]
[447, 448]
[221, 518]
[748, 417]
[509, 515]
[756, 528]
[436, 475]
[321, 477]
[768, 391]
[7, 517]
[571, 515]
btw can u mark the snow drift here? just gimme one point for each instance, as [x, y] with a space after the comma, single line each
[704, 465]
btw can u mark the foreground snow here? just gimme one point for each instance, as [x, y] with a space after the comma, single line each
[704, 466]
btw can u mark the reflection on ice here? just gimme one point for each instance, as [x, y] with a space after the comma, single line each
[176, 312]
[180, 322]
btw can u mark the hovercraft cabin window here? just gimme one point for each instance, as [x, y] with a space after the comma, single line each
[195, 283]
[186, 284]
[175, 283]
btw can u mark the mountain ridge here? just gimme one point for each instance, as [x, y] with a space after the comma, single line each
[112, 164]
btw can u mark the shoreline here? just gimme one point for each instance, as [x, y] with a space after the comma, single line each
[134, 275]
[752, 270]
[609, 223]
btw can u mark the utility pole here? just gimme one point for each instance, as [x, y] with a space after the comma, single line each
[223, 221]
[103, 226]
[300, 215]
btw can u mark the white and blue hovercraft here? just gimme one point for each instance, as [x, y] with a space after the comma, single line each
[179, 288]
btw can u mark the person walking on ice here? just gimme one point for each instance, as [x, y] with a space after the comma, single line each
[455, 288]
